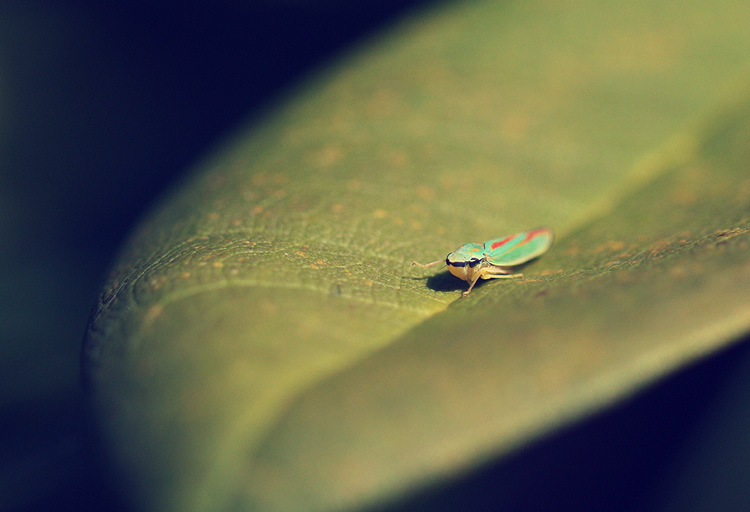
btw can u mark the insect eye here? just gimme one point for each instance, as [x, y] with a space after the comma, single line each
[473, 262]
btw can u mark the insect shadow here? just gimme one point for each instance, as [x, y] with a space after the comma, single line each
[447, 282]
[442, 282]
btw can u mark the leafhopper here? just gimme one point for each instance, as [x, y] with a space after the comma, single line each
[496, 258]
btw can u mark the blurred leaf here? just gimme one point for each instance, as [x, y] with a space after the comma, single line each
[263, 342]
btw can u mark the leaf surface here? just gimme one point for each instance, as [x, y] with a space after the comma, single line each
[263, 341]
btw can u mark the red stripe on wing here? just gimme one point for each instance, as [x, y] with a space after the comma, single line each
[501, 242]
[531, 234]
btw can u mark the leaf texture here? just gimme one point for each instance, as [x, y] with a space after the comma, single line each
[264, 344]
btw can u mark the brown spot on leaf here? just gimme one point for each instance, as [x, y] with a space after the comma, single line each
[549, 272]
[157, 282]
[426, 193]
[657, 248]
[398, 158]
[329, 155]
[613, 245]
[678, 272]
[515, 127]
[153, 313]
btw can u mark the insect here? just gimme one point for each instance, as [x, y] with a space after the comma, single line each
[495, 258]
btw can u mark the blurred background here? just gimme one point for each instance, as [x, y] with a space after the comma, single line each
[102, 106]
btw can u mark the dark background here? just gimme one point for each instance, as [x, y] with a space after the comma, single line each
[103, 105]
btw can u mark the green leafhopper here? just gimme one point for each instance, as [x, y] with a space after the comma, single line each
[495, 259]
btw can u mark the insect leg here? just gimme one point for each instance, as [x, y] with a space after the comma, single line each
[486, 274]
[501, 276]
[427, 264]
[471, 285]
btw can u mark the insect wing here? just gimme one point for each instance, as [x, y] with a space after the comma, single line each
[519, 248]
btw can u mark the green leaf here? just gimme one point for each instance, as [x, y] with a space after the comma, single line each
[263, 342]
